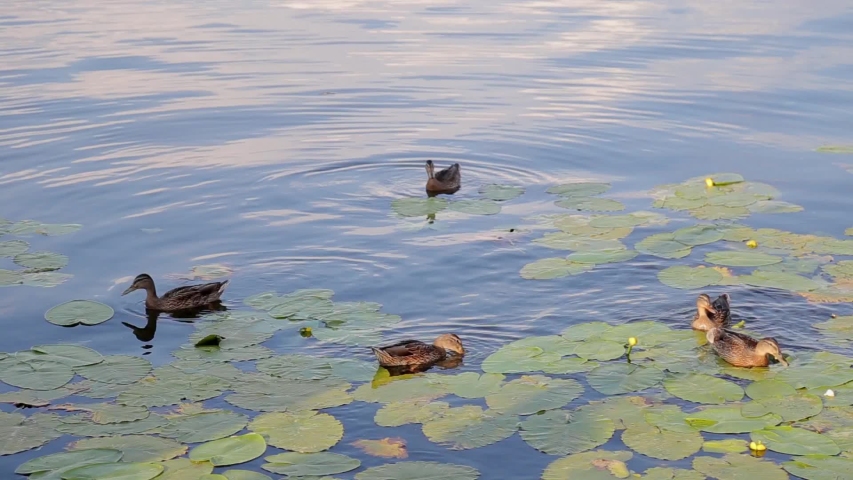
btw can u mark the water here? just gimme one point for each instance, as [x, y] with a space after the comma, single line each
[271, 137]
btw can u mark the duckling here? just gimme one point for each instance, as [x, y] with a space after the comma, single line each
[711, 314]
[181, 298]
[446, 181]
[414, 352]
[742, 350]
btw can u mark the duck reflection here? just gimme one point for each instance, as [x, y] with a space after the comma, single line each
[146, 333]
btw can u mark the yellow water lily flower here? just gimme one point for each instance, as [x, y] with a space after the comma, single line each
[632, 341]
[709, 181]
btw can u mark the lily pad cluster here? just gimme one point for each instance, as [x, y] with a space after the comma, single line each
[35, 268]
[490, 203]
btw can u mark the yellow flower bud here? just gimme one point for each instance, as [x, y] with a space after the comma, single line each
[752, 244]
[632, 341]
[709, 181]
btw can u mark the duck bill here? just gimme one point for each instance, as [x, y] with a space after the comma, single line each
[782, 361]
[129, 289]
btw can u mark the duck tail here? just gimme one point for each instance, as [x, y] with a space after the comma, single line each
[223, 286]
[381, 355]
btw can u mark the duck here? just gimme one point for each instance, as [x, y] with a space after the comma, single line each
[415, 352]
[446, 181]
[711, 314]
[179, 299]
[742, 350]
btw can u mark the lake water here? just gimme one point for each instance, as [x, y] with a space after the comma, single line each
[271, 138]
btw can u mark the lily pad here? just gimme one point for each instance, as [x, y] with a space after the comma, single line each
[400, 389]
[135, 448]
[115, 471]
[680, 276]
[309, 464]
[396, 414]
[719, 212]
[250, 475]
[795, 441]
[19, 434]
[663, 245]
[418, 207]
[734, 466]
[731, 445]
[117, 369]
[13, 248]
[790, 407]
[295, 367]
[231, 450]
[550, 268]
[697, 235]
[41, 261]
[418, 471]
[815, 375]
[581, 189]
[473, 385]
[602, 256]
[83, 426]
[533, 393]
[44, 279]
[71, 355]
[64, 460]
[185, 469]
[769, 388]
[733, 258]
[476, 206]
[596, 349]
[661, 443]
[76, 312]
[780, 280]
[591, 204]
[303, 432]
[204, 426]
[819, 467]
[34, 374]
[775, 206]
[170, 386]
[618, 378]
[469, 426]
[595, 465]
[584, 331]
[501, 192]
[10, 277]
[562, 432]
[702, 388]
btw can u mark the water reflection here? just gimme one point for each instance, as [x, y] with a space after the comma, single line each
[147, 332]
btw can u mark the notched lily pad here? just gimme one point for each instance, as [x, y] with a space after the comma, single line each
[77, 312]
[689, 278]
[562, 432]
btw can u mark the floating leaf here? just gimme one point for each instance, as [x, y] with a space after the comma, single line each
[667, 417]
[469, 427]
[71, 355]
[595, 465]
[264, 393]
[603, 350]
[780, 280]
[34, 374]
[581, 189]
[231, 450]
[476, 206]
[697, 235]
[562, 432]
[731, 445]
[10, 277]
[719, 212]
[115, 471]
[418, 207]
[44, 279]
[249, 475]
[734, 466]
[583, 331]
[591, 204]
[396, 414]
[296, 367]
[473, 385]
[532, 393]
[501, 192]
[834, 149]
[815, 375]
[418, 471]
[352, 370]
[774, 206]
[212, 340]
[624, 411]
[769, 388]
[83, 426]
[819, 467]
[135, 448]
[618, 378]
[386, 448]
[118, 369]
[602, 256]
[41, 261]
[19, 434]
[185, 469]
[790, 408]
[616, 221]
[795, 441]
[662, 443]
[702, 388]
[680, 276]
[69, 460]
[304, 432]
[663, 245]
[309, 464]
[13, 248]
[204, 426]
[550, 268]
[76, 312]
[732, 258]
[402, 388]
[734, 200]
[170, 386]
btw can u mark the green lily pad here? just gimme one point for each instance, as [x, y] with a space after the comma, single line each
[733, 258]
[83, 426]
[468, 427]
[41, 261]
[734, 466]
[532, 393]
[562, 432]
[595, 465]
[170, 386]
[402, 388]
[769, 388]
[719, 212]
[303, 432]
[819, 467]
[118, 369]
[250, 475]
[731, 445]
[135, 448]
[780, 280]
[688, 278]
[697, 235]
[264, 393]
[501, 192]
[590, 204]
[473, 385]
[618, 378]
[231, 450]
[76, 312]
[185, 469]
[625, 412]
[603, 350]
[734, 200]
[352, 370]
[19, 433]
[663, 245]
[795, 441]
[309, 464]
[550, 268]
[662, 443]
[418, 471]
[790, 408]
[418, 207]
[775, 206]
[602, 256]
[476, 206]
[12, 248]
[834, 149]
[204, 426]
[584, 331]
[71, 355]
[396, 414]
[64, 460]
[44, 279]
[295, 367]
[815, 375]
[617, 221]
[10, 277]
[702, 388]
[114, 471]
[667, 417]
[34, 374]
[581, 189]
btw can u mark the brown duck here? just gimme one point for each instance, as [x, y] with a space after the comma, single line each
[742, 350]
[711, 314]
[446, 181]
[414, 352]
[182, 298]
